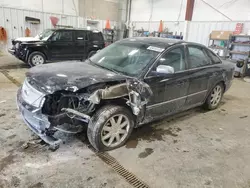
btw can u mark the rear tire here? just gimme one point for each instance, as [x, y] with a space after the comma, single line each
[110, 127]
[36, 58]
[214, 98]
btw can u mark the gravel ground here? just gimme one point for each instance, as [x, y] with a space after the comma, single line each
[192, 149]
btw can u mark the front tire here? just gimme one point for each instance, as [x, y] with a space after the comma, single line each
[214, 98]
[110, 127]
[36, 58]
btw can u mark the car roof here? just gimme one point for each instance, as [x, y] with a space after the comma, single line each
[77, 29]
[154, 41]
[159, 42]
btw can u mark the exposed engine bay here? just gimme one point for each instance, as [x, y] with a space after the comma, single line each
[76, 108]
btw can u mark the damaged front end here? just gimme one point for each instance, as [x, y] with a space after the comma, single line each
[68, 111]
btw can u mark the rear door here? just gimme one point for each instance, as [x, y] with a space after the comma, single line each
[61, 45]
[200, 70]
[81, 44]
[169, 91]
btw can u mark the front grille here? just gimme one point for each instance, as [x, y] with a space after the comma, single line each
[31, 95]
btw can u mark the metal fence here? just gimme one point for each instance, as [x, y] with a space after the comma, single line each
[13, 20]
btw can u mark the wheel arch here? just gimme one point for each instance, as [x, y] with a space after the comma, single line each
[216, 83]
[31, 50]
[118, 101]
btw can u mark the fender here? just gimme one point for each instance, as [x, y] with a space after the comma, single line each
[41, 49]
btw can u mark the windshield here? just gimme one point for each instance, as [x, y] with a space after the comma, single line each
[45, 34]
[126, 58]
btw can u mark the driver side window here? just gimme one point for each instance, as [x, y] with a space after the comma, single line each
[174, 58]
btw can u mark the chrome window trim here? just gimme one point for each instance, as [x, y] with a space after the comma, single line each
[166, 102]
[187, 63]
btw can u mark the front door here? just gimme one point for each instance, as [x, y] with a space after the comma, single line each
[61, 46]
[169, 91]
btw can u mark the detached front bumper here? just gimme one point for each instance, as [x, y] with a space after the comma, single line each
[36, 121]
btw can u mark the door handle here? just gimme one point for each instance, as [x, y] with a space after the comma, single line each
[164, 80]
[214, 74]
[180, 83]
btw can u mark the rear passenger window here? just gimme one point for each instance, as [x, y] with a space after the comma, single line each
[214, 58]
[81, 35]
[197, 57]
[97, 36]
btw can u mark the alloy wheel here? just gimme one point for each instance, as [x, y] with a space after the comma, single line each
[115, 130]
[216, 95]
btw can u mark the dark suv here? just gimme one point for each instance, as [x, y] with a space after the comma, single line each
[57, 44]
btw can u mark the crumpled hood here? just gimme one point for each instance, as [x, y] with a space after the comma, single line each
[71, 75]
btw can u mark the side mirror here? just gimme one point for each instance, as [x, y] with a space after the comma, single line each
[164, 69]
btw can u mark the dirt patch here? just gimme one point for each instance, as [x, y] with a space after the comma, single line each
[131, 144]
[146, 152]
[37, 185]
[15, 181]
[16, 66]
[6, 161]
[149, 133]
[1, 115]
[11, 136]
[242, 117]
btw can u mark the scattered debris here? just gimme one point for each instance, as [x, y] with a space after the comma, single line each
[146, 152]
[25, 145]
[243, 117]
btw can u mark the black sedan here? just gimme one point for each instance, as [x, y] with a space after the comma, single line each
[125, 85]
